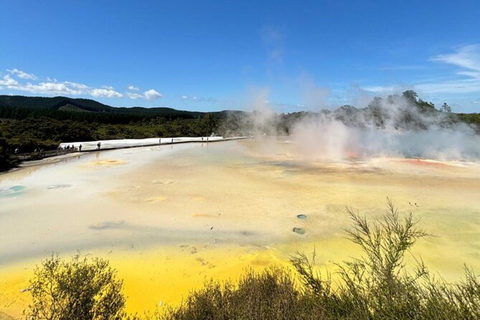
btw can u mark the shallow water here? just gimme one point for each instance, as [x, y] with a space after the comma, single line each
[170, 217]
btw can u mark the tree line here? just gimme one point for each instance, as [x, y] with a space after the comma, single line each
[30, 133]
[29, 123]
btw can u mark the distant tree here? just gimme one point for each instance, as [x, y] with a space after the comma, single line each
[425, 107]
[6, 159]
[208, 124]
[377, 112]
[446, 108]
[410, 95]
[78, 289]
[394, 98]
[375, 103]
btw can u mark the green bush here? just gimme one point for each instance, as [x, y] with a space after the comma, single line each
[375, 286]
[268, 295]
[7, 160]
[78, 289]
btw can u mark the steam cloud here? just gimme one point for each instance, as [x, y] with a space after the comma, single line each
[396, 126]
[329, 138]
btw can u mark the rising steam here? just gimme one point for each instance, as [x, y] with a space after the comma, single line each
[395, 126]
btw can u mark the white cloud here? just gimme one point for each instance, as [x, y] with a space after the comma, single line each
[148, 95]
[61, 88]
[379, 89]
[75, 85]
[106, 93]
[452, 87]
[51, 86]
[198, 99]
[132, 95]
[22, 75]
[467, 57]
[8, 82]
[465, 80]
[455, 86]
[152, 95]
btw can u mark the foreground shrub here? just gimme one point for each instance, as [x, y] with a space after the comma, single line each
[268, 295]
[78, 289]
[375, 286]
[378, 285]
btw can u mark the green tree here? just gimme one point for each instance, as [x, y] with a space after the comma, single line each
[208, 124]
[6, 159]
[410, 95]
[446, 108]
[78, 289]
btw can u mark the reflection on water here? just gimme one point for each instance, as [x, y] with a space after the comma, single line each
[59, 186]
[167, 217]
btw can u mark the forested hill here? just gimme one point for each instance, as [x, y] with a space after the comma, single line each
[55, 103]
[33, 123]
[19, 107]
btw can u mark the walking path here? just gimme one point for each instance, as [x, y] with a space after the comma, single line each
[90, 146]
[133, 143]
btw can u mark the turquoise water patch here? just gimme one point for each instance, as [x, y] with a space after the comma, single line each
[299, 230]
[302, 216]
[12, 191]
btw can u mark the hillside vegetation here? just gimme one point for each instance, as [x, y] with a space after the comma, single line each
[30, 123]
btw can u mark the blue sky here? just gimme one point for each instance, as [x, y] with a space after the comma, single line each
[213, 55]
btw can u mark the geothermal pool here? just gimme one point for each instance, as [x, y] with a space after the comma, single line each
[171, 217]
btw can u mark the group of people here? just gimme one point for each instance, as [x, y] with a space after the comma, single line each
[71, 148]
